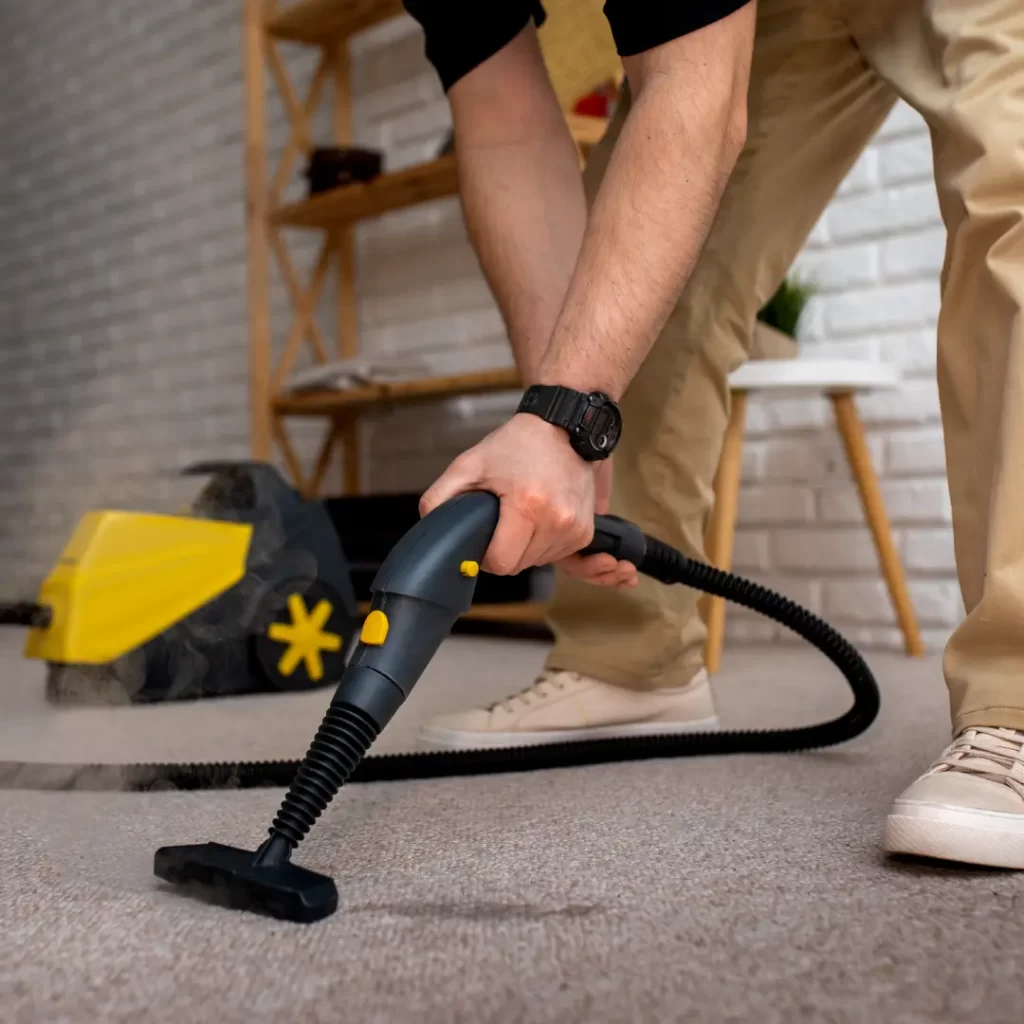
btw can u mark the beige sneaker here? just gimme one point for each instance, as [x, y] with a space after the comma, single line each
[562, 706]
[969, 806]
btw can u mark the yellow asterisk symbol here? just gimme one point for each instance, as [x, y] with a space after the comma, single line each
[305, 637]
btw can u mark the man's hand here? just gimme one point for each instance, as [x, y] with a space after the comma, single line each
[603, 570]
[548, 499]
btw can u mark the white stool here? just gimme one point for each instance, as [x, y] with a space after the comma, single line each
[838, 379]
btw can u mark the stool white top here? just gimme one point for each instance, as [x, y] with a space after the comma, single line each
[807, 374]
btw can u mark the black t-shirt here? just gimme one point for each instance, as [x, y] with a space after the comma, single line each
[461, 34]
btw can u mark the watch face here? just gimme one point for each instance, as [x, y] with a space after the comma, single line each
[605, 431]
[601, 427]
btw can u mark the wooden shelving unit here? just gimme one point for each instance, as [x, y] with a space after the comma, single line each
[327, 25]
[324, 403]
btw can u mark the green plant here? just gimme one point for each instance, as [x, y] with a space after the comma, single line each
[784, 309]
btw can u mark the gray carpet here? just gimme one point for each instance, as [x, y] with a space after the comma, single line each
[712, 890]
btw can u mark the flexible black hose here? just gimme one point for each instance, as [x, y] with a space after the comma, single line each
[662, 563]
[25, 613]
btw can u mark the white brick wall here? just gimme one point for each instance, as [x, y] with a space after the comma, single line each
[122, 303]
[122, 261]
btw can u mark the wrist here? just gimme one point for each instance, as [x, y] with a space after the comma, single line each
[589, 420]
[579, 378]
[541, 432]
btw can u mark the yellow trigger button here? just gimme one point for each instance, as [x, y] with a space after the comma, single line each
[469, 568]
[375, 629]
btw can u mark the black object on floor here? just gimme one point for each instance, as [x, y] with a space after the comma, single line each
[422, 588]
[369, 527]
[332, 167]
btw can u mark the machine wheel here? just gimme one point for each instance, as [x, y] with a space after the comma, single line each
[304, 636]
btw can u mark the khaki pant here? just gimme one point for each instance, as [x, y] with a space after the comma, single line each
[825, 75]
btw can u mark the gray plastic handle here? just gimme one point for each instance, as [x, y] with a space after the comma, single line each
[426, 583]
[426, 562]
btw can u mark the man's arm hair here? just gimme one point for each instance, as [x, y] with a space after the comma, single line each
[655, 206]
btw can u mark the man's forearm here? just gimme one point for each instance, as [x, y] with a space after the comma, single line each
[655, 206]
[521, 190]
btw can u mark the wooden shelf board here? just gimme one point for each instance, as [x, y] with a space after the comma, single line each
[516, 613]
[320, 403]
[393, 191]
[423, 183]
[526, 613]
[322, 22]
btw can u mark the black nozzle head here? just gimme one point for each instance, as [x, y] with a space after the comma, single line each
[234, 879]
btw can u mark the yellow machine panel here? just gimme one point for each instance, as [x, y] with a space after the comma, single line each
[124, 577]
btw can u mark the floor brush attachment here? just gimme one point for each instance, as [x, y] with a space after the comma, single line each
[265, 881]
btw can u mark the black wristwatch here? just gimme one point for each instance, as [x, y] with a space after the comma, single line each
[592, 421]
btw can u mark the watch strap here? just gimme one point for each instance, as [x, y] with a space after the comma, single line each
[552, 403]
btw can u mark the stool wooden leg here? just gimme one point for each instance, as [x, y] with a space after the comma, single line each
[723, 528]
[852, 432]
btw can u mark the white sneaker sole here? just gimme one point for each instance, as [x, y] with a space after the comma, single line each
[452, 739]
[989, 838]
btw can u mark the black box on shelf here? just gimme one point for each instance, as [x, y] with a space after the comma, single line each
[331, 167]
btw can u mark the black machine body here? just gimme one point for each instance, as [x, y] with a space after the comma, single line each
[288, 624]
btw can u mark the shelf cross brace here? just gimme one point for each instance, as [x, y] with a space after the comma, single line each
[305, 302]
[298, 137]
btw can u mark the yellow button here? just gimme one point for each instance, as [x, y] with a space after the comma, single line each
[375, 629]
[469, 568]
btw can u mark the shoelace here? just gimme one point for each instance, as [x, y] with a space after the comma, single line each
[995, 754]
[541, 687]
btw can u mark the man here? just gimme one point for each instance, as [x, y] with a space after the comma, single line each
[739, 124]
